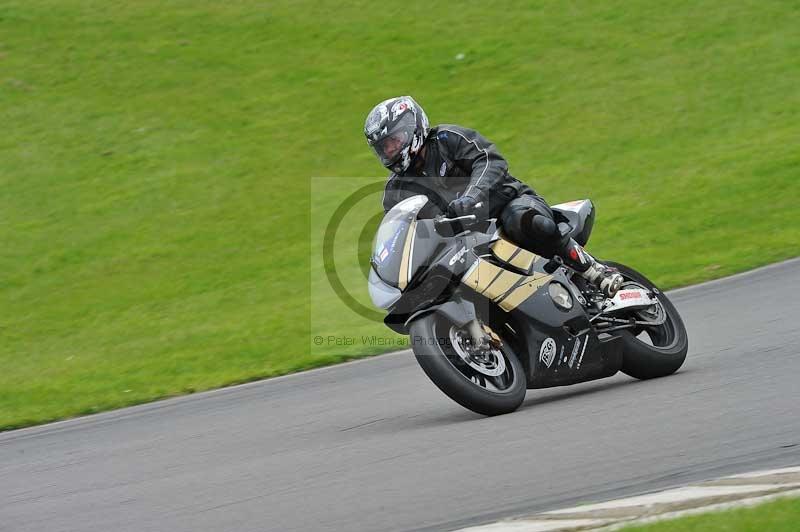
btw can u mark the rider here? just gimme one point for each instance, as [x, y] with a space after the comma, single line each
[462, 173]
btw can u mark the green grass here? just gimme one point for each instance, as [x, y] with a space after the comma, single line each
[776, 516]
[156, 200]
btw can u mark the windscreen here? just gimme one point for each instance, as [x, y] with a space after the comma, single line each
[390, 240]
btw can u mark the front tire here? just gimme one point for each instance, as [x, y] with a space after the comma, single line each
[432, 343]
[669, 342]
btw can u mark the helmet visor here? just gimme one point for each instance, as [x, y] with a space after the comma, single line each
[390, 146]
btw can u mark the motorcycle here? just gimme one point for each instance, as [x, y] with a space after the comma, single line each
[488, 319]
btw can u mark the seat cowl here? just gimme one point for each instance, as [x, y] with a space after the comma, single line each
[579, 215]
[574, 206]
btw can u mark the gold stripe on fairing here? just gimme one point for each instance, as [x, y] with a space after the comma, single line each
[503, 249]
[509, 252]
[501, 285]
[490, 280]
[481, 275]
[524, 259]
[487, 285]
[524, 291]
[506, 288]
[403, 275]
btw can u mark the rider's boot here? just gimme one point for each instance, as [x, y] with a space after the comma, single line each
[607, 279]
[544, 228]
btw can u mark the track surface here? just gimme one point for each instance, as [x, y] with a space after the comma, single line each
[373, 445]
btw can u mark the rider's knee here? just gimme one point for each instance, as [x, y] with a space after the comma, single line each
[529, 227]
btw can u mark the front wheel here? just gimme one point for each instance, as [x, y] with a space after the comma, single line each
[489, 382]
[652, 351]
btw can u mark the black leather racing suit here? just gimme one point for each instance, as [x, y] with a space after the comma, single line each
[457, 161]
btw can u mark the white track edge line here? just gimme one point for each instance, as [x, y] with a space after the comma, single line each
[751, 499]
[711, 508]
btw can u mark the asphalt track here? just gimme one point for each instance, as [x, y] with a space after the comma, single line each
[373, 445]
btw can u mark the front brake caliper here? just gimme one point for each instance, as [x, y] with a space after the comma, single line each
[494, 339]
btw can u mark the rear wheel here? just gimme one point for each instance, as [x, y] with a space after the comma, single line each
[489, 382]
[657, 350]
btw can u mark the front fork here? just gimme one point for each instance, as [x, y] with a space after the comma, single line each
[477, 333]
[461, 313]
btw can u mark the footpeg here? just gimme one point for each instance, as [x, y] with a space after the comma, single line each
[607, 280]
[611, 284]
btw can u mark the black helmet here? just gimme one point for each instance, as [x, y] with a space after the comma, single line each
[396, 129]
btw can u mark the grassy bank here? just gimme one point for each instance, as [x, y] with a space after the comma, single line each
[159, 226]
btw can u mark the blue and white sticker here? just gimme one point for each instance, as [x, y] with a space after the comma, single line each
[383, 254]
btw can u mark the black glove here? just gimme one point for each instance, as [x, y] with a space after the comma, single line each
[464, 206]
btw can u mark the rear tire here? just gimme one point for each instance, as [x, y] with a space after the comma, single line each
[439, 360]
[642, 360]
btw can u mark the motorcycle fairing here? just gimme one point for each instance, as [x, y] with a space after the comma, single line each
[580, 354]
[577, 357]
